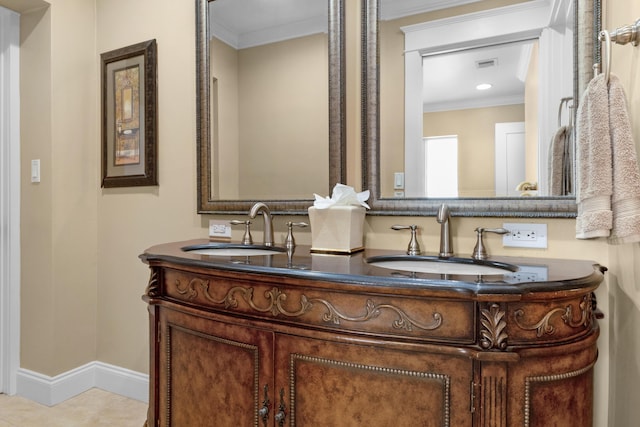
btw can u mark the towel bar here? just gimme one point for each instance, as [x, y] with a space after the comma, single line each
[569, 103]
[621, 35]
[627, 34]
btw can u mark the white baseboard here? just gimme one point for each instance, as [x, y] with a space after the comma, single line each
[53, 390]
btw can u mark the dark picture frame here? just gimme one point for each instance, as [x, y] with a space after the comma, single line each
[129, 116]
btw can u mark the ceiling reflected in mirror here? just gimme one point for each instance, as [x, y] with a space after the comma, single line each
[482, 77]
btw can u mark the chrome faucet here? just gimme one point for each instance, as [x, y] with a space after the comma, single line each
[268, 221]
[443, 218]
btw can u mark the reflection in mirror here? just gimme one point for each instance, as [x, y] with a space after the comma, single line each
[270, 103]
[479, 103]
[426, 111]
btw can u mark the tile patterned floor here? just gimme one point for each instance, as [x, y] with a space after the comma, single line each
[94, 408]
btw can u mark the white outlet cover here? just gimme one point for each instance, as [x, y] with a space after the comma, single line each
[525, 231]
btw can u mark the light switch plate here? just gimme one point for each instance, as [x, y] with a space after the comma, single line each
[398, 180]
[35, 170]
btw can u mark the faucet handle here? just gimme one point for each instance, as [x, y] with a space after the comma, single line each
[290, 241]
[246, 239]
[479, 252]
[414, 246]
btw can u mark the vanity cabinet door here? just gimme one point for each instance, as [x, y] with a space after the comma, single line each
[212, 373]
[328, 383]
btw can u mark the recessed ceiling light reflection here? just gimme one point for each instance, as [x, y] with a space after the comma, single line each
[484, 86]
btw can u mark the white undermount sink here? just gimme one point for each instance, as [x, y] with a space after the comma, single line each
[232, 249]
[436, 265]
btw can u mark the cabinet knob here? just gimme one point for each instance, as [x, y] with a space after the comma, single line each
[263, 412]
[280, 415]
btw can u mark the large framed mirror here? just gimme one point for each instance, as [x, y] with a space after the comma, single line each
[493, 154]
[270, 103]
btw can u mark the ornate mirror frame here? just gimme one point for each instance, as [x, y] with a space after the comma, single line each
[336, 114]
[586, 50]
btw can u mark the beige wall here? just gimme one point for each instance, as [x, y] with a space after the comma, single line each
[81, 278]
[131, 219]
[59, 215]
[475, 128]
[278, 93]
[624, 264]
[225, 174]
[284, 116]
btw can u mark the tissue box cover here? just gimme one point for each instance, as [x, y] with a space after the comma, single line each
[338, 229]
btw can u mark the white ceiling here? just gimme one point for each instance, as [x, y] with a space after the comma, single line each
[450, 79]
[247, 23]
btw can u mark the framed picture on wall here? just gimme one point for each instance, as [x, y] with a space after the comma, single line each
[129, 116]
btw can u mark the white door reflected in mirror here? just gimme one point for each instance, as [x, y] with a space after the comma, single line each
[441, 162]
[511, 160]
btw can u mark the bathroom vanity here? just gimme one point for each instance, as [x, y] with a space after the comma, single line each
[302, 339]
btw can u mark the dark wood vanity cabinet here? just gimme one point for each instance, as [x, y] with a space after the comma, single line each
[231, 348]
[214, 374]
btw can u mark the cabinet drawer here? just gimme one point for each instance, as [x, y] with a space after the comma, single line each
[544, 322]
[377, 314]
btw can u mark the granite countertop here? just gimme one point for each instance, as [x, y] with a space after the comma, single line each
[532, 275]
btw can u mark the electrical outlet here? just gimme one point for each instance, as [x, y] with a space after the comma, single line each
[525, 235]
[529, 273]
[219, 229]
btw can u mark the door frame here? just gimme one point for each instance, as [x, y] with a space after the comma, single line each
[9, 200]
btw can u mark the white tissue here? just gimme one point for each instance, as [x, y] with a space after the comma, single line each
[342, 195]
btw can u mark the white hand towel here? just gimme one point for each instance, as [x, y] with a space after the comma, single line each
[556, 162]
[593, 149]
[560, 162]
[569, 162]
[625, 200]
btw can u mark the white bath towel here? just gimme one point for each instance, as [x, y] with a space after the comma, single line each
[625, 200]
[593, 152]
[608, 193]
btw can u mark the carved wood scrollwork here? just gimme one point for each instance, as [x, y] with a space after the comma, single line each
[153, 287]
[544, 326]
[493, 326]
[276, 299]
[189, 290]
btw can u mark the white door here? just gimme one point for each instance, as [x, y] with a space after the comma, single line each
[440, 166]
[9, 199]
[510, 158]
